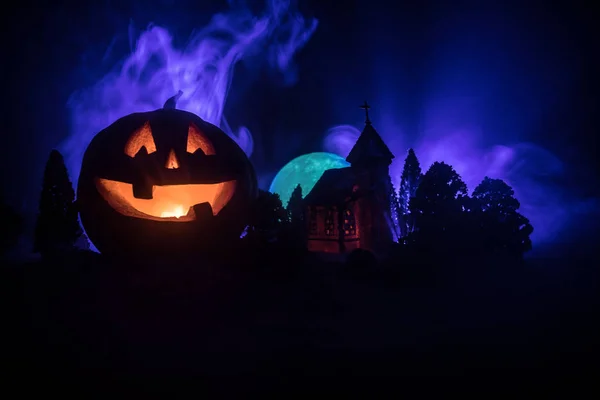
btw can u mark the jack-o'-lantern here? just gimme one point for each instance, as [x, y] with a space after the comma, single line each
[164, 182]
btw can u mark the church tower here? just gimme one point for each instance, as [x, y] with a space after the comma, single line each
[349, 208]
[370, 159]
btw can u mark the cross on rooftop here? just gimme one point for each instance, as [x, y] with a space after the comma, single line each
[366, 107]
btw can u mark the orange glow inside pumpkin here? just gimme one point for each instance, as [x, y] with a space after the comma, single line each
[140, 138]
[168, 202]
[172, 162]
[177, 212]
[196, 140]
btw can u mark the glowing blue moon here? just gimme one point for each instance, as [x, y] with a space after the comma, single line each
[304, 171]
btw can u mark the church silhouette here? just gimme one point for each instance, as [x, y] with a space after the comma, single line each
[349, 208]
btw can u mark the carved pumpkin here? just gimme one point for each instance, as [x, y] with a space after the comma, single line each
[164, 182]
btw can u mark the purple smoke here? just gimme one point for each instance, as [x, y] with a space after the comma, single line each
[203, 70]
[528, 168]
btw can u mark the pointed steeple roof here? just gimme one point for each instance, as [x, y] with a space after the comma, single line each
[370, 145]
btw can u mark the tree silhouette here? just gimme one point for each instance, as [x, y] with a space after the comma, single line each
[501, 228]
[496, 196]
[409, 182]
[438, 205]
[395, 211]
[268, 216]
[295, 212]
[57, 228]
[12, 227]
[295, 207]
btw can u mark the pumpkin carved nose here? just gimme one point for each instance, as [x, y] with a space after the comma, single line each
[172, 162]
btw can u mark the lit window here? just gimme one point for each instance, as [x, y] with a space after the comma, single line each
[349, 223]
[330, 222]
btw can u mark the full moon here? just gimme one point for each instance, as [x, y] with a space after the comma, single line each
[304, 171]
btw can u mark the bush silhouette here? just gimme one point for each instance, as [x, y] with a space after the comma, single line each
[437, 208]
[501, 228]
[360, 259]
[268, 217]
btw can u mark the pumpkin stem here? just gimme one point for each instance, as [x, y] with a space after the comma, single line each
[171, 103]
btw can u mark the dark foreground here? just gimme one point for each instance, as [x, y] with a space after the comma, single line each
[88, 319]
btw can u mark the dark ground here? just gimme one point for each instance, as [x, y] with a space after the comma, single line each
[265, 326]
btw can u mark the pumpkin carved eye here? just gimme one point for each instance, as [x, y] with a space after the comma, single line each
[197, 140]
[140, 138]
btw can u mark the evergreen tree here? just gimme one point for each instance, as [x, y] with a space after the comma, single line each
[57, 228]
[409, 183]
[297, 228]
[295, 207]
[502, 229]
[395, 211]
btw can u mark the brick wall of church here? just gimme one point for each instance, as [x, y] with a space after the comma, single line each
[323, 228]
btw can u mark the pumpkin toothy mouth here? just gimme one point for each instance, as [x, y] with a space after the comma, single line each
[179, 203]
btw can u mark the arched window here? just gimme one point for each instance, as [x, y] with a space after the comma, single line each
[349, 223]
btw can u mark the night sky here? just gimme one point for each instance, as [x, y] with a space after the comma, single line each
[520, 75]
